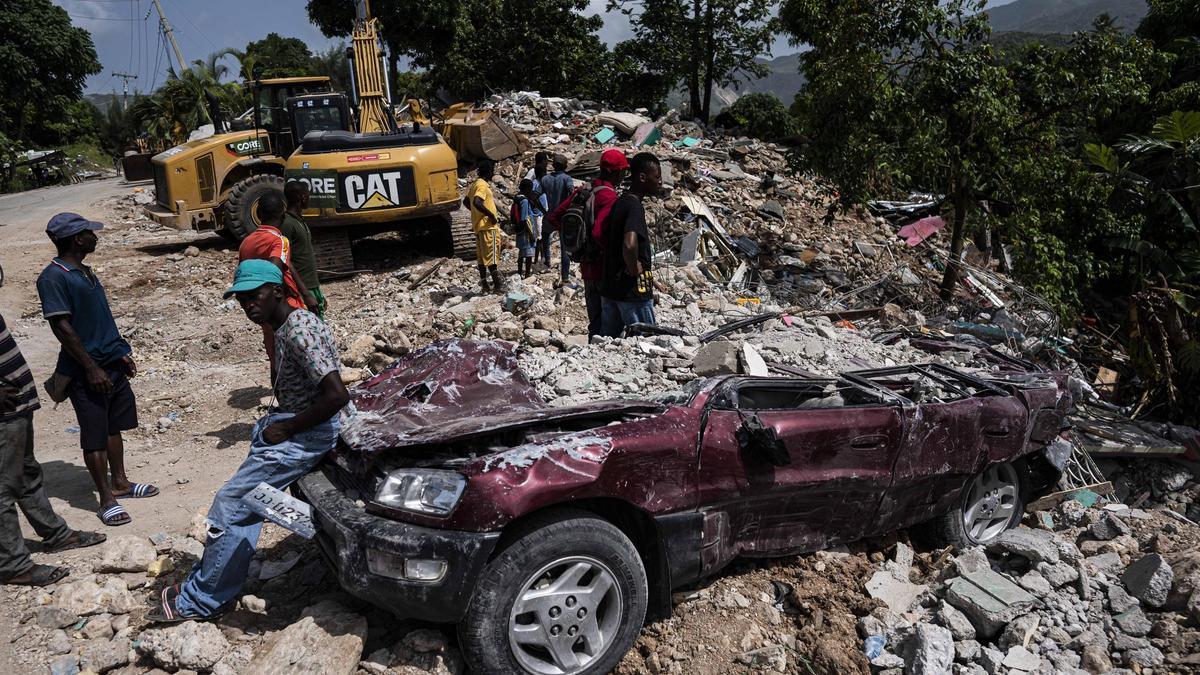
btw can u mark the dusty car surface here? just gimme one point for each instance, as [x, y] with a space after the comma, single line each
[550, 534]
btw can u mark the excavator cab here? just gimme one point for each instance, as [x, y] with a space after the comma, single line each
[271, 110]
[319, 112]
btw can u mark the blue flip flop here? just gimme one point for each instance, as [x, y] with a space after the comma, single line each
[111, 516]
[140, 490]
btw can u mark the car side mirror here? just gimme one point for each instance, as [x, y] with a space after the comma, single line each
[761, 440]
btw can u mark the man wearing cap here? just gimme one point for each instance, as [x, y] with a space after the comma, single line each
[267, 242]
[612, 168]
[285, 444]
[96, 359]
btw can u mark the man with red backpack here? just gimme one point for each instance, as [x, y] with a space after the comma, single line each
[603, 194]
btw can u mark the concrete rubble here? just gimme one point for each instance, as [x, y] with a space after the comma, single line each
[1079, 588]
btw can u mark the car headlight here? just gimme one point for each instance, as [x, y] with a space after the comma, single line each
[428, 491]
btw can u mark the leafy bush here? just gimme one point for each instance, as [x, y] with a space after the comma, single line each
[761, 115]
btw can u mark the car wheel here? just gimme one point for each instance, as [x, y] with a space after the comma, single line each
[567, 596]
[992, 502]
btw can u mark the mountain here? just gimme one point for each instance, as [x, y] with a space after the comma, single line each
[1064, 16]
[784, 80]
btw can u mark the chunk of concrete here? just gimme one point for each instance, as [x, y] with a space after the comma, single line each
[1020, 658]
[1118, 600]
[989, 600]
[930, 651]
[716, 358]
[1133, 622]
[896, 594]
[1149, 580]
[958, 623]
[1109, 527]
[1035, 545]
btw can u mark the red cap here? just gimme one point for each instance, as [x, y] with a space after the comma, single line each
[613, 160]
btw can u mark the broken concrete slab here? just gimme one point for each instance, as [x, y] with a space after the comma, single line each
[1034, 545]
[989, 600]
[898, 595]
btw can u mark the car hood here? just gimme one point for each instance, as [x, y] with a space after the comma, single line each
[455, 390]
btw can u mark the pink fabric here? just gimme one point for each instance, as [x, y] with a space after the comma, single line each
[915, 233]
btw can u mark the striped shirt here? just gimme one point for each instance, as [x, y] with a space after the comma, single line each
[15, 372]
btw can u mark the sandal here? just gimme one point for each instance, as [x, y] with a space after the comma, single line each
[78, 539]
[39, 575]
[114, 515]
[166, 611]
[139, 491]
[167, 593]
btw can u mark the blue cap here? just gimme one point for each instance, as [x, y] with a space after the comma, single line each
[70, 224]
[254, 273]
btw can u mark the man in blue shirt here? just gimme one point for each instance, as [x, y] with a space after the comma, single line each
[95, 357]
[557, 187]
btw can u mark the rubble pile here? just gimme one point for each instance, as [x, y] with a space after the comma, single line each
[750, 277]
[1102, 590]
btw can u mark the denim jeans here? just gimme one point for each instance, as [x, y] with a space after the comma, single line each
[615, 315]
[21, 486]
[544, 253]
[595, 304]
[233, 528]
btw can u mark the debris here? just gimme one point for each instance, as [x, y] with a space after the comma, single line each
[1149, 580]
[989, 600]
[328, 638]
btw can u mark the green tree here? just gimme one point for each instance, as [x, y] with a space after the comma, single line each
[700, 43]
[334, 64]
[180, 105]
[473, 47]
[906, 94]
[45, 63]
[760, 114]
[1174, 27]
[276, 56]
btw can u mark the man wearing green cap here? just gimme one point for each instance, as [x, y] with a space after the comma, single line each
[284, 445]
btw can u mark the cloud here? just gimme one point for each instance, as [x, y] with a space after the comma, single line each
[97, 18]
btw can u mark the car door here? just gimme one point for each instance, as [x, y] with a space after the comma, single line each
[947, 444]
[839, 467]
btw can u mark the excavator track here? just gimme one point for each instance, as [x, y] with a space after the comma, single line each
[331, 248]
[462, 235]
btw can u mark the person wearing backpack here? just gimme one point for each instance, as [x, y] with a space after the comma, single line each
[525, 216]
[588, 245]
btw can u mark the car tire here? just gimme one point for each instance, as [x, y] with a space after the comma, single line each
[241, 208]
[573, 550]
[991, 502]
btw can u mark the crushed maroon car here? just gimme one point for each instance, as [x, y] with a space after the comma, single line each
[550, 534]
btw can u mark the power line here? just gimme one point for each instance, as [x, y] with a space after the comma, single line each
[178, 10]
[97, 18]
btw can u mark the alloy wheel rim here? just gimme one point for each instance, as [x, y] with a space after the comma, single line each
[991, 503]
[566, 616]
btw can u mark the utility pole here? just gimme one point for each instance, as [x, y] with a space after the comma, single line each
[125, 86]
[166, 29]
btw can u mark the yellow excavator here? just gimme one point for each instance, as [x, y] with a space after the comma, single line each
[366, 173]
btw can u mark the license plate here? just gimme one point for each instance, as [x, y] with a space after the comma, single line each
[282, 509]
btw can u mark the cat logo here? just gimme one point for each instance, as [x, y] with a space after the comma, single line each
[365, 190]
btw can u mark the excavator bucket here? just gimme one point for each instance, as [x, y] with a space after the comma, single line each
[479, 134]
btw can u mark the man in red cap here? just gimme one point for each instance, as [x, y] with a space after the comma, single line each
[612, 168]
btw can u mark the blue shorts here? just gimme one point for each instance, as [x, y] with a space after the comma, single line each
[526, 245]
[615, 315]
[103, 415]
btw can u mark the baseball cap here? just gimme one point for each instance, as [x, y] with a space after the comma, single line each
[613, 160]
[254, 273]
[66, 225]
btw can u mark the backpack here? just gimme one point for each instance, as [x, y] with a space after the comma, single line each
[515, 225]
[576, 223]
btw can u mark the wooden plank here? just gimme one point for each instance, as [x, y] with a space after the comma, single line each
[1053, 499]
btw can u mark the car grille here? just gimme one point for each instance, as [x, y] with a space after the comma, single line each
[160, 185]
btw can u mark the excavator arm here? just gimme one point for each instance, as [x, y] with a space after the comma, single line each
[369, 78]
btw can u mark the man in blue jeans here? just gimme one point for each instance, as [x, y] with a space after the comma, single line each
[627, 286]
[284, 445]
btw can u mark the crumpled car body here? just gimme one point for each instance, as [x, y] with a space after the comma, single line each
[735, 466]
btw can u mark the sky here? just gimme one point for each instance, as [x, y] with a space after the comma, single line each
[127, 39]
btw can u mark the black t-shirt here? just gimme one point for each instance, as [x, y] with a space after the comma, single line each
[627, 215]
